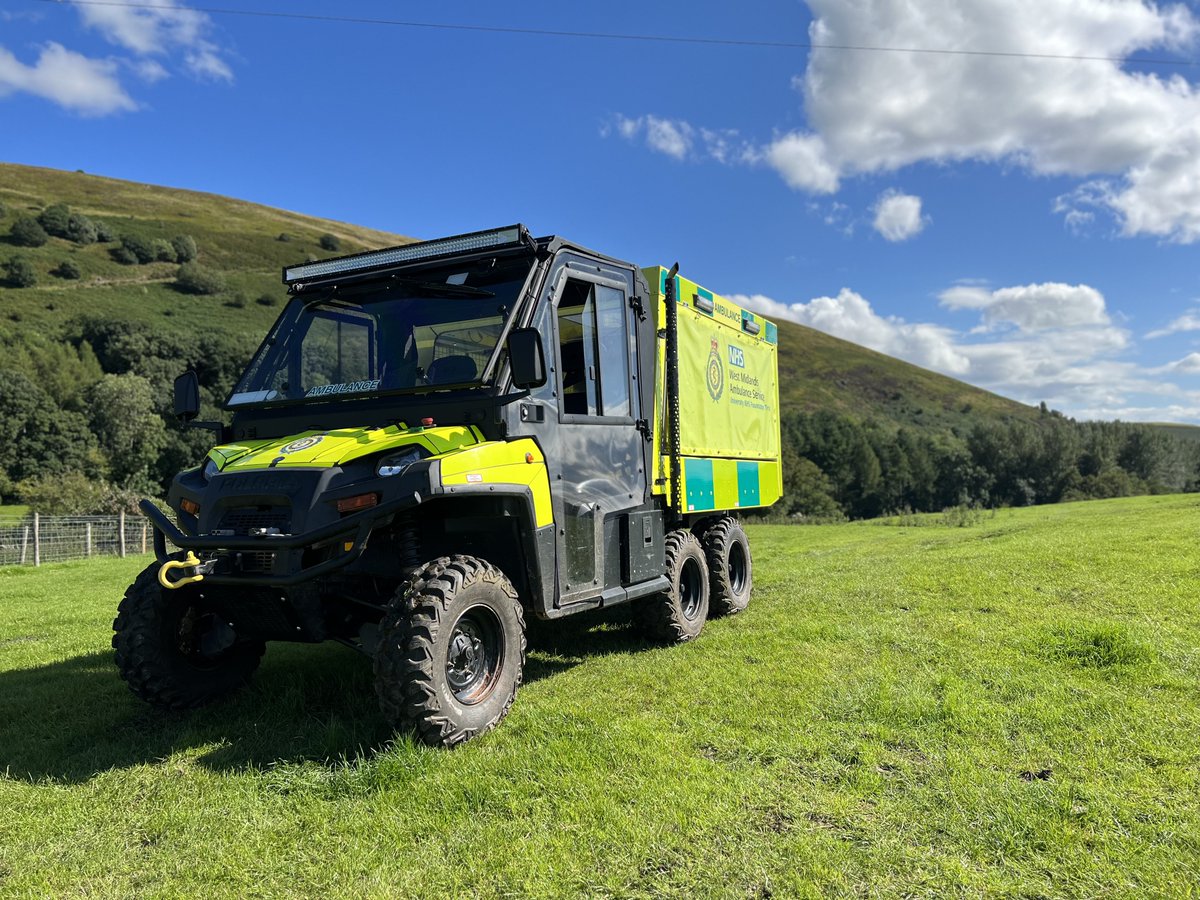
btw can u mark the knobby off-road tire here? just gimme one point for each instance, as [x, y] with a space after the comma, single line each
[451, 652]
[172, 652]
[730, 567]
[678, 614]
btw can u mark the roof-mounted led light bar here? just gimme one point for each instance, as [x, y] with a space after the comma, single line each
[495, 239]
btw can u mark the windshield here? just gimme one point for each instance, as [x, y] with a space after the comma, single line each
[429, 331]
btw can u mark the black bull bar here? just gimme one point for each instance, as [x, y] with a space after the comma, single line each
[355, 528]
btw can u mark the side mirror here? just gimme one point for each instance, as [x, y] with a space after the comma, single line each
[187, 396]
[526, 358]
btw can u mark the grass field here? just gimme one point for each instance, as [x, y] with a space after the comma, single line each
[1008, 708]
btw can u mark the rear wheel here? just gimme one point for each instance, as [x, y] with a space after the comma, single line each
[678, 614]
[173, 650]
[452, 651]
[732, 575]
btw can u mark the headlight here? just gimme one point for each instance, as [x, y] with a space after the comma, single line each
[210, 469]
[398, 462]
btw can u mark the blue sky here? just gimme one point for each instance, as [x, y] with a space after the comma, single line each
[1026, 224]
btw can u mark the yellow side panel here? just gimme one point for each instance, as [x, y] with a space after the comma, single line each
[503, 462]
[728, 398]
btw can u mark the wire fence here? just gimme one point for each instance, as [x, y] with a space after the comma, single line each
[34, 540]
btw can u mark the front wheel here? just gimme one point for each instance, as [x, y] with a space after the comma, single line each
[452, 651]
[172, 649]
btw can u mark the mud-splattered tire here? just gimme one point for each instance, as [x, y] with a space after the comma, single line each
[730, 567]
[677, 614]
[172, 652]
[451, 652]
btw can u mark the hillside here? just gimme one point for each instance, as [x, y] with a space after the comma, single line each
[820, 372]
[242, 241]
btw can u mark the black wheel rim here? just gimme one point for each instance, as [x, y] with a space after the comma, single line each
[690, 587]
[474, 655]
[739, 569]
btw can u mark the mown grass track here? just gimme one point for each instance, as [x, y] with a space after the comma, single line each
[1009, 708]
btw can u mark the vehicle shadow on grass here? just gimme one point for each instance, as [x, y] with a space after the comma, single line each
[70, 720]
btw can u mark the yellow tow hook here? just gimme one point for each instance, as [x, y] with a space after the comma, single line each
[188, 562]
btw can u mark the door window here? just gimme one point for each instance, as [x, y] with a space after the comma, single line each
[594, 350]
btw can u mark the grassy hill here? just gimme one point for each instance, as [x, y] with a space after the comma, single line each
[1006, 709]
[242, 241]
[820, 372]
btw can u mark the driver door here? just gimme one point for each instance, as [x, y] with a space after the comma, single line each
[585, 418]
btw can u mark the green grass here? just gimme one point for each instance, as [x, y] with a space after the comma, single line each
[1007, 708]
[13, 511]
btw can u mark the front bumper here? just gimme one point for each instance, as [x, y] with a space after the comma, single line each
[353, 530]
[299, 556]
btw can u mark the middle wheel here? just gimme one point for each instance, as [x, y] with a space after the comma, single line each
[678, 614]
[451, 651]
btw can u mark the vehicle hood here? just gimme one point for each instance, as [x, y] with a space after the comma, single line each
[321, 449]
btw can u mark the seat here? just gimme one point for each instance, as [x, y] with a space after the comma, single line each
[451, 370]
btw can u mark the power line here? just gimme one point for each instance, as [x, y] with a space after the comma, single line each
[618, 36]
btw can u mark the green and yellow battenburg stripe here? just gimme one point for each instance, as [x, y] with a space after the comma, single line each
[729, 400]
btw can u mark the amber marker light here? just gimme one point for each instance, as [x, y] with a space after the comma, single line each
[354, 504]
[191, 507]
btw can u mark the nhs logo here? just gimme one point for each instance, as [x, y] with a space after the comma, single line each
[737, 357]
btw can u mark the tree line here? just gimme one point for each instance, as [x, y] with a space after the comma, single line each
[835, 466]
[88, 428]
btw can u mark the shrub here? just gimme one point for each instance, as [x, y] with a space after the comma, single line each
[19, 272]
[64, 494]
[185, 248]
[195, 279]
[80, 229]
[330, 242]
[105, 233]
[68, 269]
[142, 250]
[163, 251]
[284, 237]
[238, 301]
[3, 210]
[266, 300]
[28, 232]
[123, 255]
[55, 219]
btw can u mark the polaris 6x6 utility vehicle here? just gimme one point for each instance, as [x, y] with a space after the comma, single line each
[436, 442]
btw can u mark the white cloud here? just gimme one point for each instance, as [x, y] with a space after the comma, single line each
[850, 316]
[150, 71]
[75, 82]
[1189, 365]
[898, 216]
[679, 139]
[1066, 354]
[167, 28]
[1134, 137]
[1187, 322]
[801, 161]
[881, 111]
[1032, 307]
